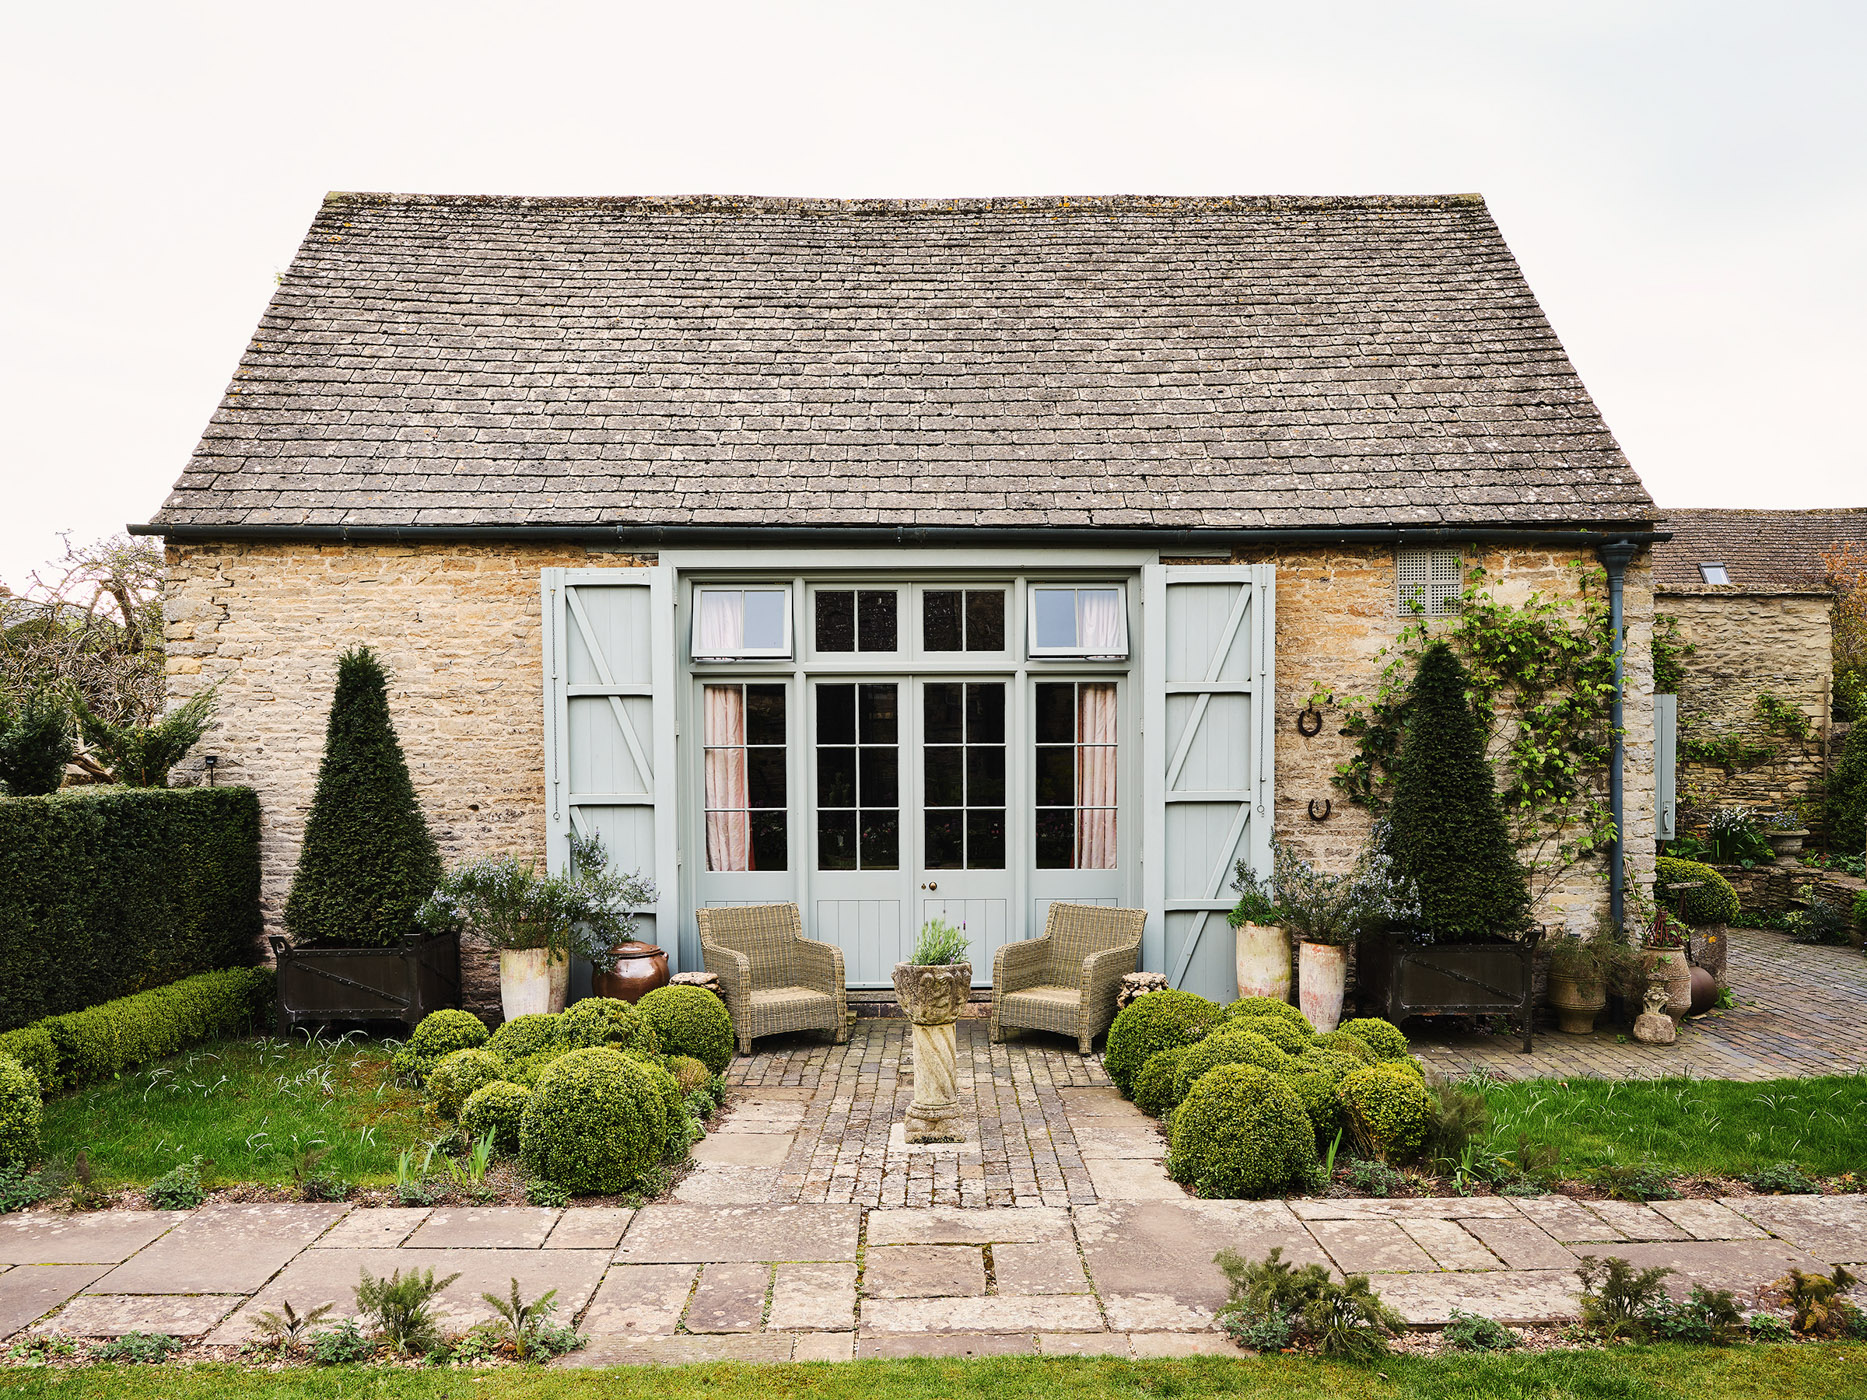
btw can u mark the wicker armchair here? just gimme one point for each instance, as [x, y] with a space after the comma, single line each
[1066, 981]
[773, 978]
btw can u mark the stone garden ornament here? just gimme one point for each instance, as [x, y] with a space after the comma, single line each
[1653, 1026]
[933, 989]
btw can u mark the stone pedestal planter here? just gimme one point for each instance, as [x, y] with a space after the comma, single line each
[531, 983]
[1322, 976]
[1786, 845]
[1261, 953]
[931, 997]
[1577, 1001]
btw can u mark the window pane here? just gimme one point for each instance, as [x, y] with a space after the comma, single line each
[940, 705]
[764, 619]
[940, 619]
[836, 714]
[879, 716]
[836, 777]
[944, 777]
[721, 629]
[836, 620]
[1099, 614]
[765, 777]
[985, 714]
[836, 840]
[880, 778]
[768, 845]
[985, 840]
[1056, 713]
[881, 841]
[985, 777]
[985, 619]
[1056, 839]
[1056, 616]
[945, 848]
[1056, 777]
[765, 714]
[876, 616]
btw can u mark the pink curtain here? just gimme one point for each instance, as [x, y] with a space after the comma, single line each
[1098, 625]
[729, 828]
[1095, 777]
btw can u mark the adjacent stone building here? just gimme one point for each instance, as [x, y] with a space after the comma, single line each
[896, 558]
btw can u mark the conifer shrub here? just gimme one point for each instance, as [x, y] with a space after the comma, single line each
[440, 1034]
[1228, 1046]
[594, 1123]
[456, 1077]
[368, 861]
[1447, 833]
[35, 743]
[1152, 1023]
[1713, 902]
[140, 755]
[1387, 1108]
[498, 1108]
[21, 1111]
[1280, 1032]
[1153, 1086]
[608, 1021]
[690, 1021]
[1241, 1133]
[1384, 1039]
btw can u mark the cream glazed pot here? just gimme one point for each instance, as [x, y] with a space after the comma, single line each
[531, 982]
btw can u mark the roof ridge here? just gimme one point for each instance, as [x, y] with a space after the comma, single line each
[959, 205]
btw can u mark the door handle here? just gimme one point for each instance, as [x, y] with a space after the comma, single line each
[931, 885]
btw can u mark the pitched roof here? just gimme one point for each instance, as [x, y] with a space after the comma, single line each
[1129, 361]
[1759, 548]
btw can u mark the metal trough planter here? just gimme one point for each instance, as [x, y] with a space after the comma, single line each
[320, 985]
[1396, 978]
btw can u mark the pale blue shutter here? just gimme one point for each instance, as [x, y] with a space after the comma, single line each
[1665, 763]
[1210, 635]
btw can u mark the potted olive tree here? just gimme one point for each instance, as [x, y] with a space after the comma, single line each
[536, 921]
[1329, 912]
[932, 988]
[1260, 947]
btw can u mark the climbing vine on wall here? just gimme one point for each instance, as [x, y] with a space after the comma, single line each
[1542, 673]
[1777, 720]
[1670, 649]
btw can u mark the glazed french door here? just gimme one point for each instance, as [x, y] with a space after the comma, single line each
[967, 839]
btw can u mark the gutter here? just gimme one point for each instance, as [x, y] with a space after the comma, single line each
[900, 536]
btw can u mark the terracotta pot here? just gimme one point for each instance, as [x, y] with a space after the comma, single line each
[1322, 975]
[1786, 845]
[639, 969]
[529, 983]
[1668, 968]
[1261, 953]
[1577, 1001]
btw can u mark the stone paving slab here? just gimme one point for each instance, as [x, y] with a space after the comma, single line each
[1520, 1244]
[375, 1227]
[729, 1186]
[29, 1290]
[1833, 1228]
[331, 1276]
[1120, 1179]
[744, 1149]
[1636, 1221]
[1566, 1221]
[1099, 1103]
[1450, 1244]
[1709, 1220]
[484, 1227]
[925, 1271]
[1121, 1138]
[937, 1226]
[813, 1298]
[1367, 1246]
[89, 1237]
[1037, 1269]
[640, 1300]
[877, 1345]
[113, 1314]
[997, 1313]
[1515, 1297]
[222, 1249]
[684, 1234]
[1739, 1265]
[1408, 1208]
[729, 1298]
[590, 1227]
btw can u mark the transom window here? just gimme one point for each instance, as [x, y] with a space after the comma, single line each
[741, 622]
[1076, 765]
[858, 777]
[856, 619]
[963, 742]
[1078, 621]
[963, 619]
[744, 741]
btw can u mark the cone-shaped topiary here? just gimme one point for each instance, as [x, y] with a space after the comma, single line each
[368, 861]
[1242, 1132]
[1152, 1023]
[1446, 833]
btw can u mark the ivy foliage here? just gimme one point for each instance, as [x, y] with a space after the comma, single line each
[1540, 679]
[1846, 798]
[1776, 721]
[1670, 649]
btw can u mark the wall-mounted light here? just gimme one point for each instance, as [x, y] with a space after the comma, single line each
[211, 760]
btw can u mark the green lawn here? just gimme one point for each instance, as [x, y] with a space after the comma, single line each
[246, 1106]
[1625, 1373]
[1694, 1127]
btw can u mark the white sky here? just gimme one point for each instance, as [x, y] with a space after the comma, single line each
[1683, 182]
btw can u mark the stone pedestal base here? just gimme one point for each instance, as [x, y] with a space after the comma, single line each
[934, 1115]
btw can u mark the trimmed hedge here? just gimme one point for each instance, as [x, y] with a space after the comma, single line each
[497, 1108]
[1242, 1132]
[108, 891]
[1713, 902]
[594, 1123]
[33, 1047]
[21, 1110]
[1152, 1023]
[690, 1021]
[102, 1041]
[1388, 1108]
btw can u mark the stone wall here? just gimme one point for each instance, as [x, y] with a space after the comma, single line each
[1336, 611]
[1745, 642]
[1768, 889]
[459, 629]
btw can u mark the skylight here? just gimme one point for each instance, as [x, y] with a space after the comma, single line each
[1714, 573]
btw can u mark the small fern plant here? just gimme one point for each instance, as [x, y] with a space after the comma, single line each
[520, 1320]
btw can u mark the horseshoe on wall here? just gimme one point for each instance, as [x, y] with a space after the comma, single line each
[1304, 726]
[1327, 807]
